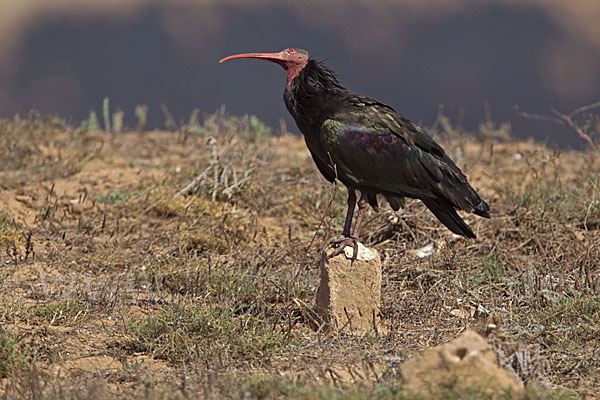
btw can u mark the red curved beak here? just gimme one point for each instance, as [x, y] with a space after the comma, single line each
[273, 57]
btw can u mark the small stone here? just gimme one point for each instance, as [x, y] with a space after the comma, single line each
[349, 295]
[363, 253]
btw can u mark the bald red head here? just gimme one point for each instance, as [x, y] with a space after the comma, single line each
[292, 60]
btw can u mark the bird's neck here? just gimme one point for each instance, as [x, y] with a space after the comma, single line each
[293, 70]
[311, 95]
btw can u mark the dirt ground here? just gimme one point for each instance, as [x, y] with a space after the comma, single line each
[114, 286]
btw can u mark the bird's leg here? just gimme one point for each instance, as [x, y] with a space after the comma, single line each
[350, 212]
[348, 238]
[349, 216]
[362, 205]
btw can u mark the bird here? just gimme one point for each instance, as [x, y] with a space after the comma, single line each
[370, 148]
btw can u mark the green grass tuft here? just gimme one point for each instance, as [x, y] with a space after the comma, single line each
[181, 334]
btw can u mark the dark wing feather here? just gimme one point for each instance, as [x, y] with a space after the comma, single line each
[324, 167]
[445, 212]
[373, 147]
[367, 157]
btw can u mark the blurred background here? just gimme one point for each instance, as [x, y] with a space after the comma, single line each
[477, 57]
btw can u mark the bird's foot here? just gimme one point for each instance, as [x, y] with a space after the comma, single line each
[340, 243]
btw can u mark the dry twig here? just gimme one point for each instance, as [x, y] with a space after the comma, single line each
[565, 119]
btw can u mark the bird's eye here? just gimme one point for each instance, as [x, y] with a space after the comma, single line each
[291, 51]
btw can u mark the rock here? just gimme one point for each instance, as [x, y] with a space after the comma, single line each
[349, 295]
[466, 361]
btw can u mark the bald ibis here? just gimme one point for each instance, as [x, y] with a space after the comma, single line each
[369, 147]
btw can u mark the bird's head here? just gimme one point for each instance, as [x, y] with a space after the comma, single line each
[292, 60]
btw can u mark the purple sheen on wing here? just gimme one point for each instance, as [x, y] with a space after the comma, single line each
[373, 142]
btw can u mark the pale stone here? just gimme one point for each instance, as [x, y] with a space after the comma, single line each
[466, 361]
[349, 295]
[363, 253]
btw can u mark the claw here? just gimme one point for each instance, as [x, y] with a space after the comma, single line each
[342, 243]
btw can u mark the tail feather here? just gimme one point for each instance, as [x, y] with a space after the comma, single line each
[445, 212]
[395, 202]
[482, 209]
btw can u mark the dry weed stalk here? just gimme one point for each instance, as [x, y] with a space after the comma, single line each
[224, 175]
[568, 120]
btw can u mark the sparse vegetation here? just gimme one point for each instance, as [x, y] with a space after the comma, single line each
[114, 196]
[132, 287]
[90, 124]
[182, 334]
[141, 115]
[65, 312]
[106, 114]
[10, 231]
[117, 121]
[8, 356]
